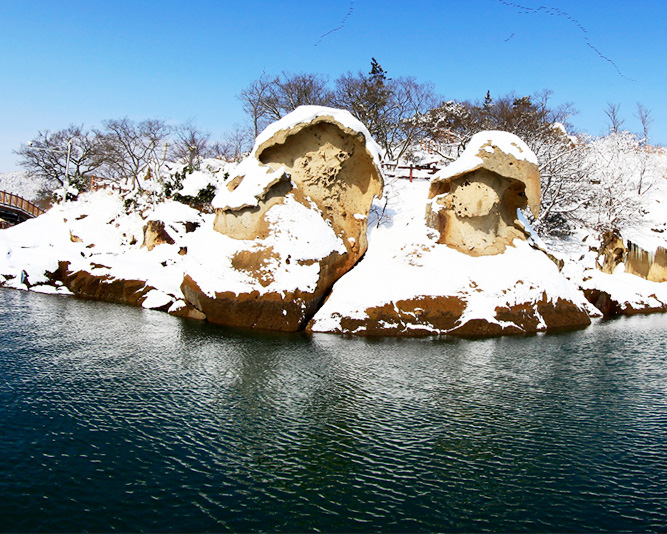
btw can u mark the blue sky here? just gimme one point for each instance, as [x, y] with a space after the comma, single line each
[80, 62]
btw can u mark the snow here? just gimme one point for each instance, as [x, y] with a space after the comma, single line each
[194, 182]
[171, 212]
[299, 239]
[403, 262]
[156, 299]
[630, 291]
[469, 160]
[651, 232]
[258, 179]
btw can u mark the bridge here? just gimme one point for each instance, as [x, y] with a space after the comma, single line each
[14, 209]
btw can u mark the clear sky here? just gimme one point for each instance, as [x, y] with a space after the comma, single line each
[83, 61]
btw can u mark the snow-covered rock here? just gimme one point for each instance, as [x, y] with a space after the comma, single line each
[168, 222]
[410, 284]
[291, 221]
[474, 200]
[295, 217]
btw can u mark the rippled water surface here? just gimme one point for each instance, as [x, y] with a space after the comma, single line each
[114, 418]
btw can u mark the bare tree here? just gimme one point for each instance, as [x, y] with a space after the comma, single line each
[191, 145]
[289, 91]
[613, 113]
[409, 100]
[235, 144]
[367, 97]
[645, 119]
[270, 98]
[129, 148]
[623, 170]
[383, 105]
[254, 99]
[68, 155]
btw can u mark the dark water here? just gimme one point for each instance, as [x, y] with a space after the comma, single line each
[113, 418]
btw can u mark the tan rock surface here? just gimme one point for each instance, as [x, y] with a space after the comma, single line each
[428, 315]
[326, 168]
[156, 234]
[104, 287]
[613, 251]
[474, 204]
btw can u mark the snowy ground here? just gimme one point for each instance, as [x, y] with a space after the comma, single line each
[98, 235]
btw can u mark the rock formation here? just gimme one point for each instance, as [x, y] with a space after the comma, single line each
[169, 223]
[650, 265]
[296, 214]
[483, 275]
[474, 201]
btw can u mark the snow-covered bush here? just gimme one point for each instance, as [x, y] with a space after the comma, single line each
[194, 187]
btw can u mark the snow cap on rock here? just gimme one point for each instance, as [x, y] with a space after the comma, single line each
[500, 152]
[258, 177]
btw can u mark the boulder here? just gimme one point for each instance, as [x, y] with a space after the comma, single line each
[105, 287]
[443, 291]
[474, 201]
[291, 221]
[648, 264]
[156, 234]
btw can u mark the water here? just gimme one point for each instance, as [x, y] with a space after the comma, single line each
[118, 419]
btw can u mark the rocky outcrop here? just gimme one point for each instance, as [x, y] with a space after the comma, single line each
[169, 223]
[610, 306]
[517, 292]
[295, 215]
[484, 275]
[474, 201]
[649, 265]
[103, 287]
[612, 252]
[443, 315]
[97, 283]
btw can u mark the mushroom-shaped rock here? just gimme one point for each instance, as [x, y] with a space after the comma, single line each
[474, 201]
[291, 220]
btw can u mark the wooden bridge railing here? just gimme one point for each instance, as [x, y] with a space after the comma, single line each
[19, 204]
[406, 171]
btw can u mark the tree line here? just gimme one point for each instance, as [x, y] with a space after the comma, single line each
[579, 175]
[121, 151]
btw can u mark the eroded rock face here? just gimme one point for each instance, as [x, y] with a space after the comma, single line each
[298, 204]
[649, 265]
[613, 252]
[474, 201]
[104, 287]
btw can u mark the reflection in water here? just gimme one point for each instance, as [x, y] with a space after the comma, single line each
[121, 419]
